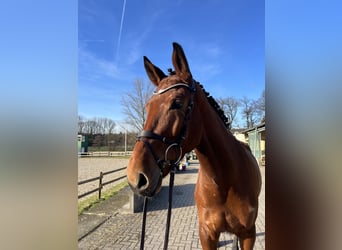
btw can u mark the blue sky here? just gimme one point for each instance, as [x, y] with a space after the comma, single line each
[223, 41]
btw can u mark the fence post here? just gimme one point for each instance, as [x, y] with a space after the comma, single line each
[100, 184]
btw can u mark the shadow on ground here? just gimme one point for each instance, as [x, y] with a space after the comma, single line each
[182, 197]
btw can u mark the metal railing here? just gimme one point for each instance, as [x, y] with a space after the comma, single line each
[101, 183]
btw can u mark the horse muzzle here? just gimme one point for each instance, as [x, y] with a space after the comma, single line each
[145, 185]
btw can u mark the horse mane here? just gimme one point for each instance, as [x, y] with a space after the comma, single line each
[213, 103]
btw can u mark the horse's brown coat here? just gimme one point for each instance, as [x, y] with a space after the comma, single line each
[229, 179]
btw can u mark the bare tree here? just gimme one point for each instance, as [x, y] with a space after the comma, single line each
[260, 106]
[249, 111]
[134, 102]
[109, 126]
[81, 124]
[230, 107]
[90, 126]
[104, 125]
[96, 125]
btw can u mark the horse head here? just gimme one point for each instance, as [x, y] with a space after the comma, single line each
[165, 136]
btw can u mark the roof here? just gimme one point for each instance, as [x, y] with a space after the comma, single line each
[259, 127]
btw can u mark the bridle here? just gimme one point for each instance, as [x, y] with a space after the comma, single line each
[145, 134]
[163, 163]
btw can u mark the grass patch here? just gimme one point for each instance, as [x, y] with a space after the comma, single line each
[93, 200]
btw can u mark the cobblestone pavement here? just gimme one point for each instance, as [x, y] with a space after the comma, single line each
[122, 231]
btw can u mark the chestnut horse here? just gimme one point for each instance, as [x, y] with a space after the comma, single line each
[180, 118]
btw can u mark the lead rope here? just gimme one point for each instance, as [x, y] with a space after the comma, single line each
[142, 239]
[168, 220]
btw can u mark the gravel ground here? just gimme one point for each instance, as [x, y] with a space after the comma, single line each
[91, 167]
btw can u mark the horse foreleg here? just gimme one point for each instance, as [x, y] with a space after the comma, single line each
[208, 238]
[247, 239]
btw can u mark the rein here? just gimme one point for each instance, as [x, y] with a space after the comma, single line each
[163, 163]
[168, 220]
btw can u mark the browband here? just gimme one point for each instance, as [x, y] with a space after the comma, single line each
[161, 91]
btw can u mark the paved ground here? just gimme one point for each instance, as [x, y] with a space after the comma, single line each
[115, 229]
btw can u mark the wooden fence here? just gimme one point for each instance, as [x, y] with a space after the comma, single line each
[104, 153]
[101, 183]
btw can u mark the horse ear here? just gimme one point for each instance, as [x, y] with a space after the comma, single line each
[180, 63]
[154, 73]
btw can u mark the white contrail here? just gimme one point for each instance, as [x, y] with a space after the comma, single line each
[120, 31]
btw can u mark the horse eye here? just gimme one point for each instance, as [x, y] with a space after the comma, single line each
[176, 105]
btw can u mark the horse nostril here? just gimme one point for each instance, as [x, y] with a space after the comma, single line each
[142, 181]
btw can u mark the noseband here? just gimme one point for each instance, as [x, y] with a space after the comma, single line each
[163, 163]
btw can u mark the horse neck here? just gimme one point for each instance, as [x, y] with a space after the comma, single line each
[215, 150]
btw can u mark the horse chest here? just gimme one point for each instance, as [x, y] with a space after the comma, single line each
[223, 212]
[210, 204]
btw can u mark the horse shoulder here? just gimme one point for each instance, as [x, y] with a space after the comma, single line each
[250, 170]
